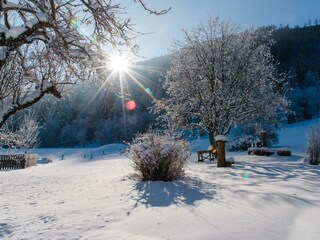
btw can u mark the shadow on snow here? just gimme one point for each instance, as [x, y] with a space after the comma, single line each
[185, 191]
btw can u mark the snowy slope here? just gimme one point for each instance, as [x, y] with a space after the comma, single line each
[294, 135]
[82, 198]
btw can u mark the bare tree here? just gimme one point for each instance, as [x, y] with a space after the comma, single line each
[46, 44]
[22, 133]
[221, 76]
[313, 145]
[27, 135]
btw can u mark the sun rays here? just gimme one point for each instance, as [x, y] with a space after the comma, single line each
[130, 82]
[119, 63]
[124, 73]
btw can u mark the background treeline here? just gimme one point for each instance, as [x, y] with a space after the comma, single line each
[298, 52]
[88, 116]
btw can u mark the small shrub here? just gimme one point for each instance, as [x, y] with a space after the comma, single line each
[242, 143]
[158, 156]
[313, 145]
[31, 160]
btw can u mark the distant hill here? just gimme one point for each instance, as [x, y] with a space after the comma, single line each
[297, 49]
[298, 52]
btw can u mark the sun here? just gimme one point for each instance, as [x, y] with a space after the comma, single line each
[119, 63]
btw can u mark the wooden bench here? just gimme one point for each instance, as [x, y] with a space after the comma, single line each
[205, 154]
[13, 161]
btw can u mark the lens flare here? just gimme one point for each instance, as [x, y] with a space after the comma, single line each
[246, 176]
[148, 91]
[130, 105]
[74, 23]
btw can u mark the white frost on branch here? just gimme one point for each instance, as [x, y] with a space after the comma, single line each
[3, 52]
[56, 42]
[41, 17]
[11, 5]
[15, 32]
[221, 76]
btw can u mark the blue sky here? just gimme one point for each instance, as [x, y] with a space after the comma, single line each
[187, 14]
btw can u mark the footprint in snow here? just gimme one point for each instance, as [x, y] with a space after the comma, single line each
[47, 219]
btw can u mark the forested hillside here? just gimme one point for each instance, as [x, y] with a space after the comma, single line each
[89, 116]
[298, 52]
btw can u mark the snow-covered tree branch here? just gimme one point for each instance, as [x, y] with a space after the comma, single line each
[220, 76]
[45, 44]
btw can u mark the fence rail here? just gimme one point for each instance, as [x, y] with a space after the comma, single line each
[13, 161]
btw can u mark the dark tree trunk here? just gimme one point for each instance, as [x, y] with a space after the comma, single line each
[211, 139]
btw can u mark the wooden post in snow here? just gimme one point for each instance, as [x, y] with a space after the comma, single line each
[263, 138]
[221, 159]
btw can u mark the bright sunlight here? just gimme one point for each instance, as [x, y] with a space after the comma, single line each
[119, 64]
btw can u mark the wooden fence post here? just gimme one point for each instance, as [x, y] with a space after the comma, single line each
[16, 161]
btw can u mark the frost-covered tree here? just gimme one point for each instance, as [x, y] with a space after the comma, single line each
[27, 135]
[313, 145]
[24, 136]
[46, 44]
[220, 76]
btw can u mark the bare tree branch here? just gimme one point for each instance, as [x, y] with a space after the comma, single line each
[44, 44]
[162, 12]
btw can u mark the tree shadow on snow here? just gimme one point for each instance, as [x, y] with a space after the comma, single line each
[293, 181]
[285, 169]
[185, 191]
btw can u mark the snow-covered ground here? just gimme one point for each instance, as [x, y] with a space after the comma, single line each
[83, 198]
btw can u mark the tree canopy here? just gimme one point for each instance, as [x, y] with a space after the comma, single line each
[221, 76]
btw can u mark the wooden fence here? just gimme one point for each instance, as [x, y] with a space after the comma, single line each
[14, 161]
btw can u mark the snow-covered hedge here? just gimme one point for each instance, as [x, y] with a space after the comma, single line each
[313, 145]
[242, 143]
[158, 156]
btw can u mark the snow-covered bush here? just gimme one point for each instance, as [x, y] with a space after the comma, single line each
[313, 145]
[247, 135]
[31, 160]
[158, 156]
[242, 143]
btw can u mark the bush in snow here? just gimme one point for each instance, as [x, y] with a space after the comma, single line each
[158, 156]
[242, 143]
[31, 160]
[313, 145]
[247, 136]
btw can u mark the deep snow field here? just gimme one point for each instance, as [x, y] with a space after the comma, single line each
[81, 198]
